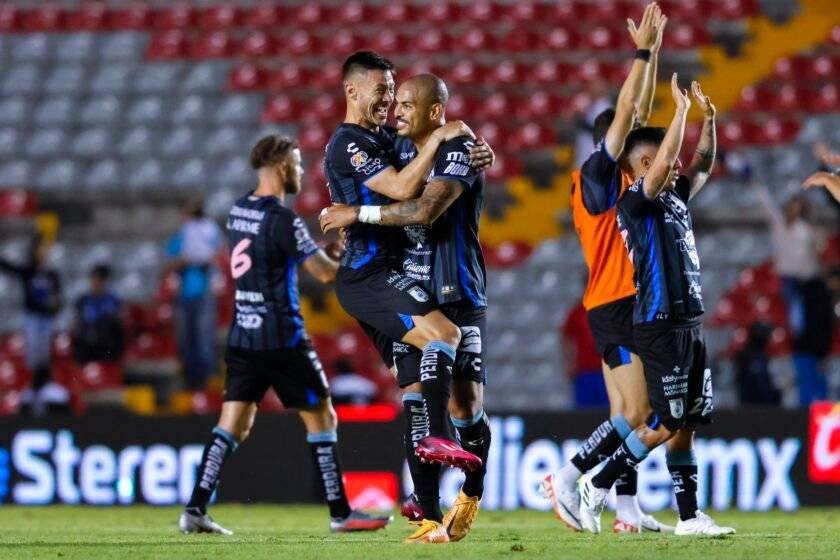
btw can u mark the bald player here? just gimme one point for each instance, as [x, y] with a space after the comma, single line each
[445, 258]
[610, 291]
[363, 168]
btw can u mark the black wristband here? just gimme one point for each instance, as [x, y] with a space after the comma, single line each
[643, 54]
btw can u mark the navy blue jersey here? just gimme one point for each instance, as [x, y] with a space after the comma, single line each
[267, 242]
[446, 258]
[660, 238]
[355, 154]
[600, 180]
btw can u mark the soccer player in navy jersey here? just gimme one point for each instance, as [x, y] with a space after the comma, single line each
[267, 345]
[363, 168]
[655, 221]
[610, 289]
[445, 258]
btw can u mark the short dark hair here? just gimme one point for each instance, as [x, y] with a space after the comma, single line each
[602, 124]
[363, 61]
[643, 135]
[101, 271]
[271, 149]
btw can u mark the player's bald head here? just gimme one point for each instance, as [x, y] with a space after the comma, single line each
[428, 89]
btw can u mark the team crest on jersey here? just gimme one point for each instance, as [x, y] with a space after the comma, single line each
[677, 408]
[358, 159]
[416, 234]
[418, 294]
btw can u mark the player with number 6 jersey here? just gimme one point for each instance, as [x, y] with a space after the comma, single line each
[267, 345]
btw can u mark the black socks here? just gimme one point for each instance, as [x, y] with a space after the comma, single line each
[683, 468]
[221, 445]
[475, 437]
[322, 446]
[426, 476]
[435, 379]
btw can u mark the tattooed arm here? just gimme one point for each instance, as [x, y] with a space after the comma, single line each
[437, 196]
[704, 158]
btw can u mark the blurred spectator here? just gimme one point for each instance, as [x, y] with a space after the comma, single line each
[98, 334]
[192, 252]
[600, 94]
[42, 301]
[349, 387]
[582, 360]
[796, 247]
[752, 369]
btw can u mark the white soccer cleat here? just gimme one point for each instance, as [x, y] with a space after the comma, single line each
[650, 525]
[190, 523]
[565, 500]
[592, 502]
[702, 526]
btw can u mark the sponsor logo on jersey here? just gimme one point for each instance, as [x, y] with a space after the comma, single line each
[417, 234]
[824, 443]
[253, 297]
[249, 321]
[358, 159]
[418, 294]
[417, 270]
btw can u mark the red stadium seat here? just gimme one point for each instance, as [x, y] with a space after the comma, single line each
[174, 16]
[520, 40]
[130, 16]
[730, 9]
[312, 200]
[685, 36]
[313, 135]
[823, 100]
[550, 72]
[506, 72]
[608, 11]
[824, 67]
[786, 99]
[504, 167]
[263, 16]
[326, 107]
[492, 132]
[13, 375]
[258, 44]
[288, 76]
[47, 17]
[834, 36]
[248, 77]
[440, 11]
[388, 41]
[533, 135]
[466, 72]
[602, 37]
[538, 105]
[300, 43]
[17, 203]
[327, 75]
[215, 44]
[680, 10]
[353, 12]
[223, 16]
[508, 254]
[11, 18]
[755, 98]
[495, 106]
[396, 12]
[560, 38]
[341, 42]
[526, 12]
[90, 16]
[473, 39]
[207, 402]
[775, 131]
[168, 44]
[312, 14]
[482, 11]
[780, 343]
[431, 40]
[564, 13]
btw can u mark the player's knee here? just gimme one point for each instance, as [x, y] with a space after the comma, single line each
[635, 414]
[448, 333]
[329, 419]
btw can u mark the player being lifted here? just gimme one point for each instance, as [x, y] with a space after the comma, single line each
[610, 292]
[445, 258]
[361, 167]
[267, 345]
[654, 220]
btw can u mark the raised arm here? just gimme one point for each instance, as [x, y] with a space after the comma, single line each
[646, 101]
[701, 164]
[824, 179]
[321, 267]
[406, 183]
[438, 195]
[660, 172]
[644, 36]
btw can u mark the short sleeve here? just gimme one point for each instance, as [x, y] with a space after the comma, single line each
[173, 246]
[683, 188]
[293, 236]
[357, 157]
[600, 180]
[633, 201]
[452, 161]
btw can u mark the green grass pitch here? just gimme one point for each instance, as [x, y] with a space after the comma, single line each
[300, 532]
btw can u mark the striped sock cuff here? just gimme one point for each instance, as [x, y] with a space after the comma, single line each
[416, 397]
[227, 436]
[458, 423]
[441, 346]
[621, 425]
[636, 446]
[322, 437]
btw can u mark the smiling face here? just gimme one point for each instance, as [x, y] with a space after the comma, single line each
[371, 94]
[419, 111]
